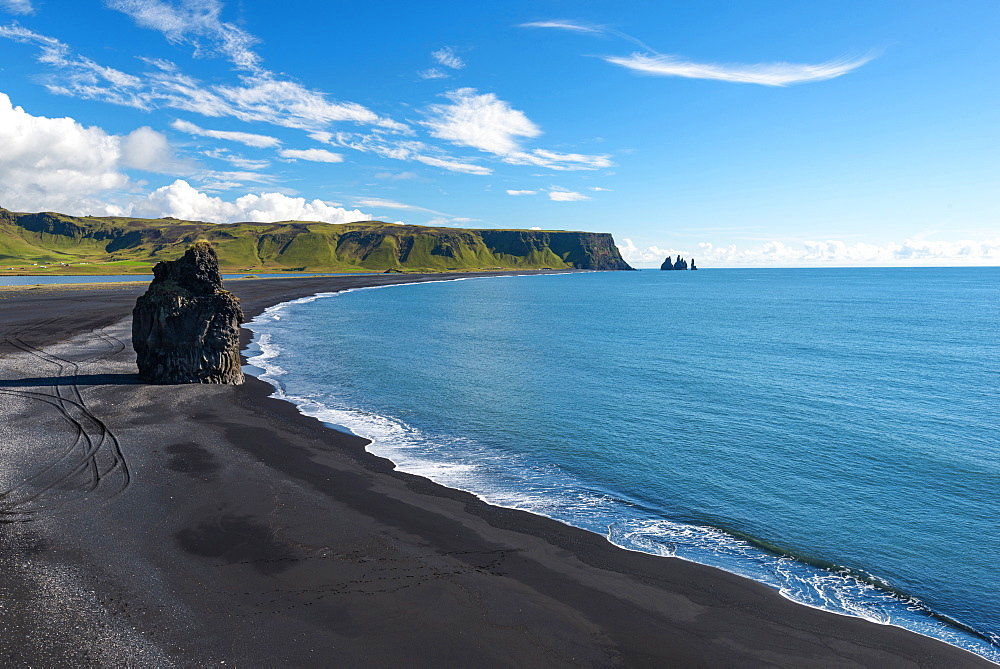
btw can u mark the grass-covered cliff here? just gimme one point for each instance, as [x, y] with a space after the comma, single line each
[48, 243]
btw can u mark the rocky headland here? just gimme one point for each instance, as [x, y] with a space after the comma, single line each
[90, 244]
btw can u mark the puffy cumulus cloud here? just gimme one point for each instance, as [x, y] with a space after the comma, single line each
[18, 6]
[248, 138]
[765, 74]
[147, 149]
[635, 255]
[58, 164]
[522, 192]
[483, 121]
[566, 196]
[828, 253]
[181, 200]
[313, 155]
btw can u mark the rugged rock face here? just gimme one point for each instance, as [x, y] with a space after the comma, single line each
[185, 329]
[680, 263]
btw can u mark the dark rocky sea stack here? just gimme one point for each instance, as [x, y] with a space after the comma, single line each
[185, 329]
[679, 264]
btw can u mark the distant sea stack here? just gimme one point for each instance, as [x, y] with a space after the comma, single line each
[185, 329]
[680, 263]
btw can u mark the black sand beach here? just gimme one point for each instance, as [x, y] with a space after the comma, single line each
[196, 525]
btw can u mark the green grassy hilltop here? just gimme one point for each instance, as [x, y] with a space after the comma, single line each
[50, 243]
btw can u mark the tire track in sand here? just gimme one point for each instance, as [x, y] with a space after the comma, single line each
[92, 463]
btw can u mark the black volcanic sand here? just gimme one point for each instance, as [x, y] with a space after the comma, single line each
[197, 525]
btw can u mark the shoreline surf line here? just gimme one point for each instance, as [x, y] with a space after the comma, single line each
[952, 631]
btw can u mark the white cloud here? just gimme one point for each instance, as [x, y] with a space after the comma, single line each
[314, 155]
[248, 138]
[194, 22]
[572, 26]
[381, 203]
[237, 160]
[598, 188]
[56, 164]
[765, 74]
[566, 196]
[559, 161]
[657, 64]
[261, 95]
[432, 73]
[446, 56]
[147, 149]
[18, 6]
[181, 200]
[397, 176]
[831, 253]
[522, 192]
[484, 122]
[480, 121]
[453, 165]
[534, 227]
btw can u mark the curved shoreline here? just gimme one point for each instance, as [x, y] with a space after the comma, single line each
[926, 615]
[241, 507]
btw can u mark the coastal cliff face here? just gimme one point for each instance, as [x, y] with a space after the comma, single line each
[185, 329]
[137, 244]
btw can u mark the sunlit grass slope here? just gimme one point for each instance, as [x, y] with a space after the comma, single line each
[50, 243]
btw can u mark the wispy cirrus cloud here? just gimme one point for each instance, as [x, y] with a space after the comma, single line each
[572, 26]
[446, 56]
[650, 62]
[522, 192]
[765, 74]
[259, 97]
[248, 138]
[197, 23]
[18, 6]
[312, 155]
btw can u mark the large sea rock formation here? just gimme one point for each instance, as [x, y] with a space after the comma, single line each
[680, 263]
[185, 329]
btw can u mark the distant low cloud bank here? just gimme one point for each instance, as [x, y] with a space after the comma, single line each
[827, 253]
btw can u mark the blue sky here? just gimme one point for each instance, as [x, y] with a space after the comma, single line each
[744, 134]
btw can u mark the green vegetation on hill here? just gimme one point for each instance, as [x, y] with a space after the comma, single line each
[49, 243]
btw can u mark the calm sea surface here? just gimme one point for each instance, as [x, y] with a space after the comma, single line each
[833, 433]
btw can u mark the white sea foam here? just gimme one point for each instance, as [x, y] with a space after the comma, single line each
[507, 480]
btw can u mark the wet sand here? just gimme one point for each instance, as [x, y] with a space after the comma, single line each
[195, 525]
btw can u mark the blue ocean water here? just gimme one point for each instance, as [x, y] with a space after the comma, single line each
[833, 433]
